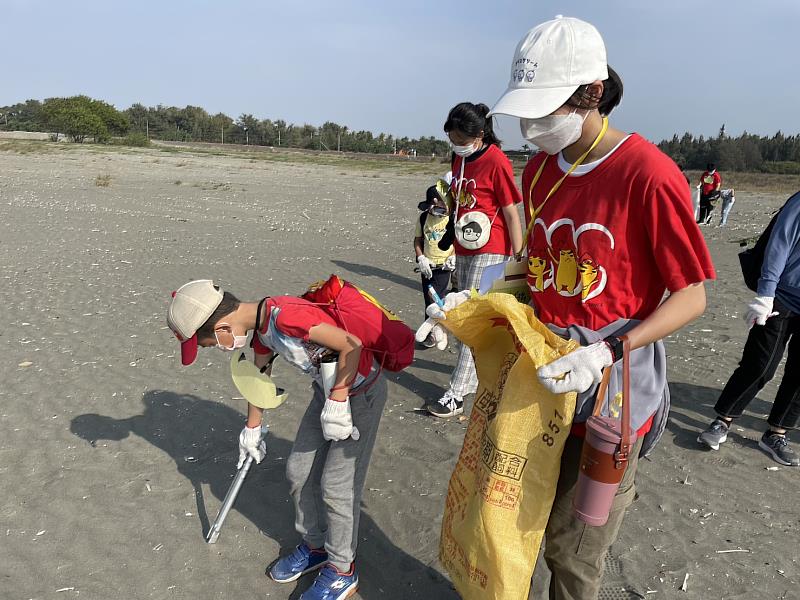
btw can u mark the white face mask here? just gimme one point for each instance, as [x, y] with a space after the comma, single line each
[239, 341]
[463, 151]
[553, 133]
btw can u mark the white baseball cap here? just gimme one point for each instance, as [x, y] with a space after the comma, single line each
[191, 306]
[549, 64]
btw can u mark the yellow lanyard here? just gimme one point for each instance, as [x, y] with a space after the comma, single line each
[575, 165]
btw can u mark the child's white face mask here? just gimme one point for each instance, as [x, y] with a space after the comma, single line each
[464, 151]
[239, 341]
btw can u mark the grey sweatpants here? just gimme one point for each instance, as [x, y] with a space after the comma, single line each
[326, 478]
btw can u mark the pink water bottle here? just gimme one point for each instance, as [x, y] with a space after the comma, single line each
[605, 454]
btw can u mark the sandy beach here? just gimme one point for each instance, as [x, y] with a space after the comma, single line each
[114, 459]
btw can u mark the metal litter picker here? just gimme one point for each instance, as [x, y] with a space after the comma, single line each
[258, 389]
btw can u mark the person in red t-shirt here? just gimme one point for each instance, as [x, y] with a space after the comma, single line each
[328, 463]
[485, 220]
[710, 182]
[610, 230]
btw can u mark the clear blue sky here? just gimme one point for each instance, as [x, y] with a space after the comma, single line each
[398, 67]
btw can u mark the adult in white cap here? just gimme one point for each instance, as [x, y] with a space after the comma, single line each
[610, 230]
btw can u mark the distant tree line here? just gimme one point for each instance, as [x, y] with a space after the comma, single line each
[747, 152]
[80, 117]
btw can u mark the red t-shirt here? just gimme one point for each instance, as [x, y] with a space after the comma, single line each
[295, 319]
[487, 185]
[609, 243]
[710, 182]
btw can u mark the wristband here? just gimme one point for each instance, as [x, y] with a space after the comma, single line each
[615, 345]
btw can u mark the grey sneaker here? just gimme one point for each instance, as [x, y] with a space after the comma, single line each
[777, 446]
[715, 435]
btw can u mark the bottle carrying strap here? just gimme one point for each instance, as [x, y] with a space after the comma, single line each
[622, 455]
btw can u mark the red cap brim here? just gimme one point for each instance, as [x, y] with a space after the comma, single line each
[189, 350]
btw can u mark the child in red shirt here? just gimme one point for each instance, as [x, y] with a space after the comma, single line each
[486, 222]
[327, 466]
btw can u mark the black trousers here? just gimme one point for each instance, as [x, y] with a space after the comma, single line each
[762, 355]
[706, 206]
[440, 282]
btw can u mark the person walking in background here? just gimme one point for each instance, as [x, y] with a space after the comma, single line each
[435, 263]
[728, 199]
[611, 228]
[774, 320]
[710, 182]
[486, 222]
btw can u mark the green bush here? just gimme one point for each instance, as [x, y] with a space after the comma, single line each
[80, 117]
[138, 140]
[783, 167]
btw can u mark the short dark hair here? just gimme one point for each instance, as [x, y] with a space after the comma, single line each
[710, 167]
[471, 119]
[612, 95]
[228, 305]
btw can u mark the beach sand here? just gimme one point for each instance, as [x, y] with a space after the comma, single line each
[114, 459]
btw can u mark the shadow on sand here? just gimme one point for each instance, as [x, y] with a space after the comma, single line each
[370, 271]
[187, 426]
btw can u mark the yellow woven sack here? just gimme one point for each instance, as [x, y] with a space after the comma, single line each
[502, 489]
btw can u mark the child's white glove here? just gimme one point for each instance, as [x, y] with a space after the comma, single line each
[452, 300]
[424, 266]
[759, 310]
[450, 263]
[578, 370]
[250, 442]
[337, 421]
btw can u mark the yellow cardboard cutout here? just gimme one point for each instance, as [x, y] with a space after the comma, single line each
[256, 387]
[502, 488]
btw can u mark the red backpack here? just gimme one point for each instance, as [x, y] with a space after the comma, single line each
[380, 330]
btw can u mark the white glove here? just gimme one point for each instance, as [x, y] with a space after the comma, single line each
[580, 369]
[450, 263]
[250, 442]
[337, 422]
[452, 300]
[759, 310]
[424, 266]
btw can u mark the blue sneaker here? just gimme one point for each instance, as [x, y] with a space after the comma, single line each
[331, 584]
[293, 566]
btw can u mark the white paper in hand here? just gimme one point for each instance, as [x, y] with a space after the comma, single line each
[491, 274]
